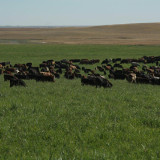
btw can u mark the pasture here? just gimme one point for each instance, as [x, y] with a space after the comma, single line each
[65, 120]
[126, 34]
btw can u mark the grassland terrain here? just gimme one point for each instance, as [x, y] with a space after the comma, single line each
[65, 120]
[128, 34]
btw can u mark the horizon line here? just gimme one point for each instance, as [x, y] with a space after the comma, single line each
[63, 26]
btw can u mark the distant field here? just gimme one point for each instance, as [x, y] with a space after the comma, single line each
[65, 120]
[128, 34]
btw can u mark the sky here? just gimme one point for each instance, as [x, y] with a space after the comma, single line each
[77, 12]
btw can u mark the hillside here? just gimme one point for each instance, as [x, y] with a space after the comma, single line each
[133, 34]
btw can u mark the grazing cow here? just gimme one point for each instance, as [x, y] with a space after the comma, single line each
[125, 61]
[56, 75]
[99, 68]
[34, 70]
[45, 73]
[1, 71]
[5, 63]
[131, 77]
[50, 62]
[106, 61]
[77, 66]
[29, 64]
[21, 67]
[43, 65]
[143, 80]
[22, 75]
[95, 61]
[13, 70]
[84, 61]
[43, 78]
[7, 72]
[107, 67]
[98, 81]
[74, 60]
[86, 70]
[144, 67]
[45, 69]
[77, 71]
[157, 63]
[77, 75]
[102, 81]
[150, 71]
[134, 69]
[61, 65]
[72, 67]
[117, 74]
[66, 61]
[59, 71]
[8, 77]
[69, 75]
[117, 65]
[135, 64]
[17, 82]
[116, 60]
[155, 80]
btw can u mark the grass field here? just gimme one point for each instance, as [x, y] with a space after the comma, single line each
[65, 120]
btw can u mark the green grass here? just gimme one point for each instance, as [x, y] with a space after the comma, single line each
[64, 120]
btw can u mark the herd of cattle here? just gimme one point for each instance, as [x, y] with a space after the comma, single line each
[143, 70]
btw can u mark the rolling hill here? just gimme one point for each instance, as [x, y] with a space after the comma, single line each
[127, 34]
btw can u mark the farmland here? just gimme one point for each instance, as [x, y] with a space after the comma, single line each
[65, 120]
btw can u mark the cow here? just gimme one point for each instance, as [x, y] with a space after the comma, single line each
[107, 67]
[99, 68]
[74, 60]
[5, 63]
[34, 70]
[69, 75]
[106, 61]
[155, 80]
[116, 60]
[43, 78]
[98, 81]
[66, 61]
[86, 70]
[117, 74]
[131, 78]
[84, 61]
[29, 64]
[77, 75]
[1, 71]
[17, 82]
[22, 75]
[50, 62]
[45, 69]
[135, 64]
[59, 71]
[72, 67]
[117, 65]
[8, 77]
[13, 70]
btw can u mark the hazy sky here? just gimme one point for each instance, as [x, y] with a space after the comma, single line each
[78, 12]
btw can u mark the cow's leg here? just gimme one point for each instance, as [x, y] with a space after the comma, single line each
[11, 83]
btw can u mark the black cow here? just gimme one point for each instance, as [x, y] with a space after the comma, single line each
[17, 82]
